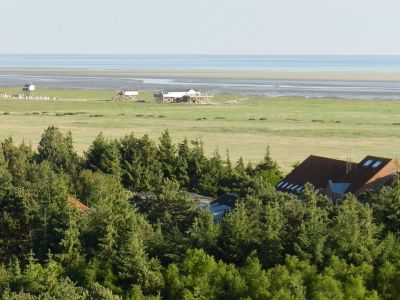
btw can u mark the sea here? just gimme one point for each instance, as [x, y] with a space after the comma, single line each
[347, 89]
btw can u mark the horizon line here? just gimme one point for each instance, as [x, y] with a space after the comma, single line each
[189, 54]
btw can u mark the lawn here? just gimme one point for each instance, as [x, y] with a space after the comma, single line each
[293, 128]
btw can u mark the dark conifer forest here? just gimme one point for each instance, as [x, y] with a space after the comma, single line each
[270, 245]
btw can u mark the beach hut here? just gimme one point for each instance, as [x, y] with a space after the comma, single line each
[29, 88]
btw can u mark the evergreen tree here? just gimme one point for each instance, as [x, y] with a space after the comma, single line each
[50, 191]
[273, 236]
[167, 156]
[5, 176]
[256, 279]
[313, 229]
[103, 155]
[212, 175]
[204, 232]
[268, 169]
[140, 168]
[17, 160]
[353, 234]
[196, 165]
[237, 238]
[182, 163]
[19, 217]
[58, 150]
[91, 187]
[385, 206]
[172, 207]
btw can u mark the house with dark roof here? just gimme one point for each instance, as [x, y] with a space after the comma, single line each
[218, 207]
[221, 205]
[337, 177]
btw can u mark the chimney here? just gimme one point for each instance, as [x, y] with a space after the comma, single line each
[348, 165]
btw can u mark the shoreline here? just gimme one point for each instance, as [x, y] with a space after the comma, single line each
[378, 76]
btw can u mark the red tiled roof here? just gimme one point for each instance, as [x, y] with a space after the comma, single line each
[371, 173]
[77, 204]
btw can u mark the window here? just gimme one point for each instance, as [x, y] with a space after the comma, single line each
[280, 183]
[368, 162]
[286, 183]
[290, 186]
[377, 164]
[299, 189]
[295, 187]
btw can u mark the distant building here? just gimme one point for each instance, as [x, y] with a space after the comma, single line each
[189, 96]
[335, 177]
[129, 92]
[126, 95]
[29, 88]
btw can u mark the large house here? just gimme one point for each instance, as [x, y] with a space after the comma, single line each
[337, 177]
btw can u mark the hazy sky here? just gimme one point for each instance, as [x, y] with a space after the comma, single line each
[200, 26]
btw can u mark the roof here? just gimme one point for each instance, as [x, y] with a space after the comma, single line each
[221, 205]
[77, 204]
[228, 200]
[189, 92]
[338, 176]
[316, 170]
[369, 168]
[201, 198]
[145, 195]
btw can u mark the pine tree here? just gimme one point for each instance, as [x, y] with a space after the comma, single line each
[140, 168]
[237, 237]
[204, 232]
[58, 150]
[103, 155]
[353, 235]
[182, 163]
[167, 155]
[313, 229]
[5, 176]
[273, 236]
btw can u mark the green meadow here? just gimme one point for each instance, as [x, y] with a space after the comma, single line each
[293, 128]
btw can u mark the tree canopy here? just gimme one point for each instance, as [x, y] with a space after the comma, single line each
[270, 245]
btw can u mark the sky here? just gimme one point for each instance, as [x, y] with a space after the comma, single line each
[200, 26]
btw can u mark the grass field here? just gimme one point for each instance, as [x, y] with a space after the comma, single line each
[293, 128]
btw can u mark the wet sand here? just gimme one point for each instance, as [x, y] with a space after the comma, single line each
[268, 75]
[308, 84]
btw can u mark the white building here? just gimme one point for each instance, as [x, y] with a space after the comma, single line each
[187, 96]
[29, 87]
[129, 93]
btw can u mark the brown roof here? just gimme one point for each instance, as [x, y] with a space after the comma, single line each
[77, 204]
[370, 173]
[316, 170]
[363, 172]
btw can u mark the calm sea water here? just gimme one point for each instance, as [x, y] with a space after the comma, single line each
[204, 62]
